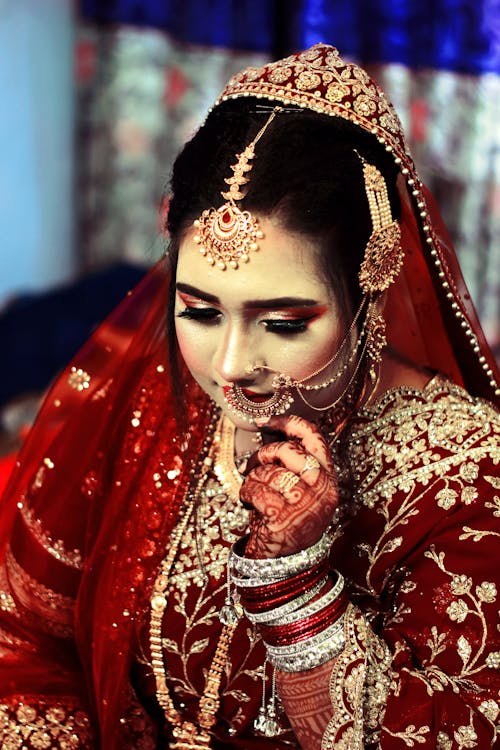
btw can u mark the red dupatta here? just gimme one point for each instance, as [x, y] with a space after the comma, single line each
[104, 441]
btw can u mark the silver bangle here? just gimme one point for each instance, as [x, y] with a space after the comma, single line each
[280, 567]
[313, 607]
[311, 653]
[288, 608]
[248, 583]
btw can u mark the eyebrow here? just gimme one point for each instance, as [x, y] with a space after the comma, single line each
[261, 304]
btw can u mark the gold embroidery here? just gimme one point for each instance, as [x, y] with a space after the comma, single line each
[347, 680]
[28, 599]
[466, 736]
[393, 442]
[494, 481]
[490, 709]
[7, 639]
[333, 87]
[411, 735]
[493, 660]
[476, 534]
[495, 504]
[444, 742]
[223, 520]
[58, 726]
[403, 452]
[378, 682]
[7, 603]
[54, 547]
[470, 604]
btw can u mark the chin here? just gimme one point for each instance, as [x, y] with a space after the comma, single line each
[239, 422]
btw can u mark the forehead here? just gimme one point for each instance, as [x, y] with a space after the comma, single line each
[286, 264]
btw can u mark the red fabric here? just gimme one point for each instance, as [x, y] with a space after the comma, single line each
[6, 466]
[82, 473]
[416, 554]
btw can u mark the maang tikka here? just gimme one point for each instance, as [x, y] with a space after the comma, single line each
[227, 235]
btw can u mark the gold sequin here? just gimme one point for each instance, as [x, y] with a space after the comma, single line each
[78, 379]
[493, 660]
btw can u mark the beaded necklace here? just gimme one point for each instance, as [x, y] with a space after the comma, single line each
[188, 735]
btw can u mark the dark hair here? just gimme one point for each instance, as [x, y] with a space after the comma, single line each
[306, 173]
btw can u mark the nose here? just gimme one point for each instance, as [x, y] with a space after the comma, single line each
[233, 355]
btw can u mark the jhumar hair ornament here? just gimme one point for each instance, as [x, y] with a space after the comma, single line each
[383, 254]
[226, 235]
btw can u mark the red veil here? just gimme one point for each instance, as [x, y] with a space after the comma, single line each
[105, 467]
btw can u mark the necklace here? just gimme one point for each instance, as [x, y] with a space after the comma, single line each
[187, 734]
[224, 468]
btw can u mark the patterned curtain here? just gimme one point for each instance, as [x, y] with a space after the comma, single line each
[147, 70]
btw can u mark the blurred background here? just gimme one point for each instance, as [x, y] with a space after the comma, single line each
[97, 97]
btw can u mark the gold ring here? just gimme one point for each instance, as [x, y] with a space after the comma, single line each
[287, 481]
[311, 463]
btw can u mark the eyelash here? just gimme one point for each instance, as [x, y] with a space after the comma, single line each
[210, 315]
[201, 314]
[296, 325]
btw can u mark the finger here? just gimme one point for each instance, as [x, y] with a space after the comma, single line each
[262, 498]
[291, 456]
[283, 481]
[269, 471]
[311, 439]
[281, 511]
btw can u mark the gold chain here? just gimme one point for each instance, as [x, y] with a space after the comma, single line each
[224, 469]
[188, 736]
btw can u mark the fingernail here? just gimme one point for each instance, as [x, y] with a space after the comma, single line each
[261, 421]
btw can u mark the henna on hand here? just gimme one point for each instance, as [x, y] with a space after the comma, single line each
[289, 516]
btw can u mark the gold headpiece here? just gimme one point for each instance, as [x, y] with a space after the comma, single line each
[227, 235]
[383, 254]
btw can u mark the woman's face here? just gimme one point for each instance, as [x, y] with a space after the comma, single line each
[276, 310]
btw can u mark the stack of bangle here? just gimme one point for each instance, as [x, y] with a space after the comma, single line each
[260, 598]
[299, 631]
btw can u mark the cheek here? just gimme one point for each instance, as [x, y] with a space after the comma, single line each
[194, 348]
[306, 359]
[312, 360]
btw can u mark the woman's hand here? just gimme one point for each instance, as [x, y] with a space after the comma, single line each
[293, 501]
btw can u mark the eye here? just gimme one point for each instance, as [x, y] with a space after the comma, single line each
[200, 314]
[290, 326]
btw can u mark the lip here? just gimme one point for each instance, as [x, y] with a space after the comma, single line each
[256, 398]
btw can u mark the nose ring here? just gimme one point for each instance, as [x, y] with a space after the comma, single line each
[250, 369]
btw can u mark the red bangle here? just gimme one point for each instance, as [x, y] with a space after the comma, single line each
[288, 634]
[271, 596]
[283, 586]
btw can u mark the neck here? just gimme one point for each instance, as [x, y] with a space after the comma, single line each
[245, 441]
